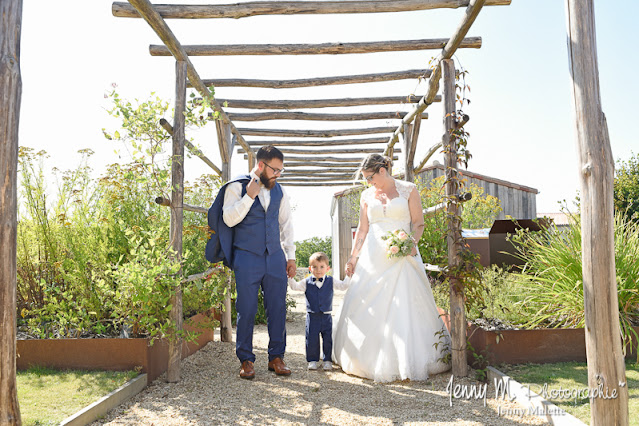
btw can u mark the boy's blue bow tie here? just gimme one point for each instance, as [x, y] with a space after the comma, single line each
[318, 279]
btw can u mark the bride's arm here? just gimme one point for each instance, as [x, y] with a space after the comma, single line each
[360, 236]
[416, 216]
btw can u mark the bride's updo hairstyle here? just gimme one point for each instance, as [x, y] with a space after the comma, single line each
[375, 162]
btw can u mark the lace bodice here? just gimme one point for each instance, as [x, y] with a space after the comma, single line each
[389, 213]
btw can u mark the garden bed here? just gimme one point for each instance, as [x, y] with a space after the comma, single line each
[539, 346]
[110, 353]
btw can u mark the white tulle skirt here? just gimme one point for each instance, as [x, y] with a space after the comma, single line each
[388, 327]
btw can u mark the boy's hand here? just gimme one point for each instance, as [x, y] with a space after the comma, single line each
[350, 266]
[291, 268]
[253, 188]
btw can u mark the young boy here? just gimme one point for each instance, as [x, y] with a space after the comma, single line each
[318, 288]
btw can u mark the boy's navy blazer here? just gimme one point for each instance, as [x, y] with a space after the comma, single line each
[219, 248]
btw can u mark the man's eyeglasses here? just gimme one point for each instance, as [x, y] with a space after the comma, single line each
[276, 171]
[370, 178]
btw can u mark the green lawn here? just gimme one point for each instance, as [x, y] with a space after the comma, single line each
[572, 376]
[49, 396]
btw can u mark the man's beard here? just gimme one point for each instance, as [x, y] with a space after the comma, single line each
[268, 183]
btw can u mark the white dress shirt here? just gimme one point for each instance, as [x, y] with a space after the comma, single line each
[337, 284]
[236, 207]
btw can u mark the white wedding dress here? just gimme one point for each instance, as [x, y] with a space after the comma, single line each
[388, 327]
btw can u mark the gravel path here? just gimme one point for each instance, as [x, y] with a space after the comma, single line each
[211, 393]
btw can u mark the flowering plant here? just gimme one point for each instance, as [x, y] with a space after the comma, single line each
[399, 243]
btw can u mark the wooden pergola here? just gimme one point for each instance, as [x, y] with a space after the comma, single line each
[328, 157]
[321, 160]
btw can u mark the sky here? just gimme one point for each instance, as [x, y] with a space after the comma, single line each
[521, 119]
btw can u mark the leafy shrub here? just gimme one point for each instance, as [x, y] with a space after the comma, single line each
[626, 187]
[479, 212]
[77, 246]
[305, 248]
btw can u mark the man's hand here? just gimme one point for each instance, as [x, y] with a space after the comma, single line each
[291, 268]
[253, 188]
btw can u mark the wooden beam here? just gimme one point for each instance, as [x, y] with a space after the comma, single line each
[314, 49]
[465, 119]
[318, 81]
[409, 175]
[316, 174]
[177, 216]
[325, 159]
[314, 133]
[471, 13]
[326, 142]
[604, 349]
[221, 140]
[295, 115]
[346, 165]
[146, 10]
[343, 183]
[434, 209]
[317, 103]
[224, 138]
[188, 207]
[192, 148]
[243, 10]
[411, 145]
[10, 95]
[314, 180]
[432, 150]
[328, 151]
[325, 170]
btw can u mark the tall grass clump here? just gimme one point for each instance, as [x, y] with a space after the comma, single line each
[553, 275]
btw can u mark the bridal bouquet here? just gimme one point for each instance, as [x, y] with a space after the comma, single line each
[399, 243]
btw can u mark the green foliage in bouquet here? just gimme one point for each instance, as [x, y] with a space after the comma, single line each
[399, 243]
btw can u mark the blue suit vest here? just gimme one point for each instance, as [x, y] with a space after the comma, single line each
[259, 231]
[319, 300]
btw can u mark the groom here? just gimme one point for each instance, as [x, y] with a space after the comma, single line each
[258, 210]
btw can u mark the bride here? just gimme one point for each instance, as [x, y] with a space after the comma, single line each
[388, 328]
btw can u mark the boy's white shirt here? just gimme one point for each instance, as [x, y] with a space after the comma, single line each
[301, 284]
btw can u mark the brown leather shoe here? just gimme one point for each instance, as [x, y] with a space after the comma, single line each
[247, 371]
[279, 367]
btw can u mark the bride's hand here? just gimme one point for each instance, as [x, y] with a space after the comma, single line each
[413, 251]
[350, 266]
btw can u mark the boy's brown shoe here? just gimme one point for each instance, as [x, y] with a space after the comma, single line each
[247, 371]
[279, 367]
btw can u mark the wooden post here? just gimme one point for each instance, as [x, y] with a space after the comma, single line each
[409, 176]
[457, 312]
[11, 90]
[596, 167]
[226, 144]
[177, 213]
[411, 132]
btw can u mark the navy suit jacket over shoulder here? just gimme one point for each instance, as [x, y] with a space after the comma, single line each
[219, 248]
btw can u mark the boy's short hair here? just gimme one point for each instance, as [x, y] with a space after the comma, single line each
[318, 257]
